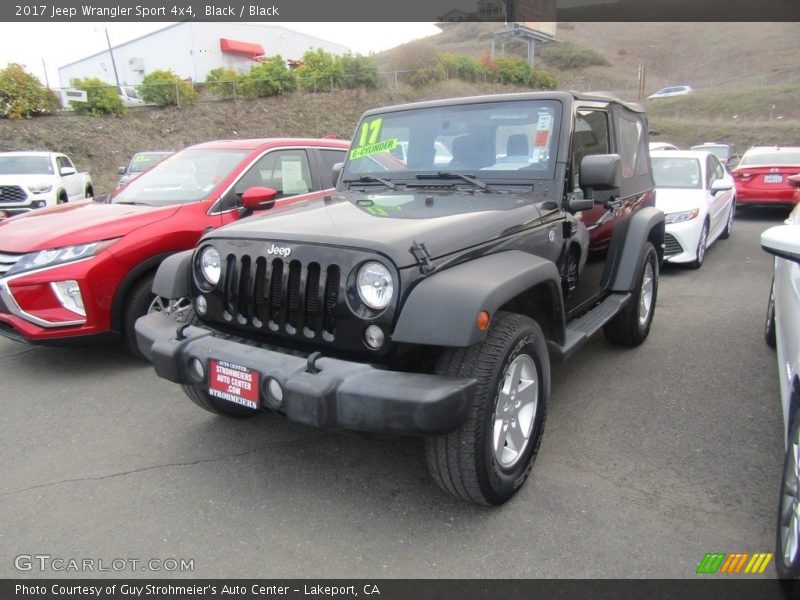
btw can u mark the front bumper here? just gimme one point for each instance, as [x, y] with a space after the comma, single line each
[343, 394]
[685, 236]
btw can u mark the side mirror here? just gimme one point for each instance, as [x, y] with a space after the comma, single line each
[255, 198]
[122, 170]
[67, 171]
[782, 241]
[720, 185]
[337, 171]
[601, 173]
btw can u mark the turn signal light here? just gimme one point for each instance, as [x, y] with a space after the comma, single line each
[482, 320]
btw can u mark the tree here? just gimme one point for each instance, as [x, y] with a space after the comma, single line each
[163, 88]
[359, 71]
[270, 78]
[225, 83]
[23, 95]
[320, 70]
[101, 98]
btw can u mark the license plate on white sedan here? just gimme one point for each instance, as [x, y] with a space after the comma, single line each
[233, 383]
[773, 178]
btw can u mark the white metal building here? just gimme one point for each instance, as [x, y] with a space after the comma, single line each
[193, 49]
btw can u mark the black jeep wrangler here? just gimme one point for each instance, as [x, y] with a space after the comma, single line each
[469, 241]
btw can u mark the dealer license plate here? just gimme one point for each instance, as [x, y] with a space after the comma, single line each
[233, 383]
[773, 178]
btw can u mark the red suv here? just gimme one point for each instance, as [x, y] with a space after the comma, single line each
[83, 271]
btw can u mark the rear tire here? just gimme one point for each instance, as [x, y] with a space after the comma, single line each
[632, 325]
[488, 458]
[89, 192]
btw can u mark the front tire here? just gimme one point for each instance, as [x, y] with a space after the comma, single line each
[769, 325]
[632, 325]
[488, 458]
[136, 305]
[197, 393]
[702, 246]
[729, 225]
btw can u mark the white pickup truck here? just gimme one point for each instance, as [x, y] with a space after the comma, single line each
[30, 180]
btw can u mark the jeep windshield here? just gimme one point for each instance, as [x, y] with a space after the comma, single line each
[187, 176]
[494, 142]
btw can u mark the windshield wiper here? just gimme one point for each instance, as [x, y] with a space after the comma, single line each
[449, 175]
[372, 179]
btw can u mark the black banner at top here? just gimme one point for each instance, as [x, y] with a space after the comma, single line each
[408, 10]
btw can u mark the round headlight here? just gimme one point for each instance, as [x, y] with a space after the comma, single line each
[375, 285]
[209, 265]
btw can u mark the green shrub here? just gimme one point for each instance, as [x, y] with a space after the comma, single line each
[270, 78]
[461, 67]
[22, 95]
[543, 80]
[101, 97]
[359, 71]
[320, 71]
[513, 71]
[225, 83]
[164, 88]
[572, 56]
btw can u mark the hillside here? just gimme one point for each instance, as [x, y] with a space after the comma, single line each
[703, 55]
[747, 90]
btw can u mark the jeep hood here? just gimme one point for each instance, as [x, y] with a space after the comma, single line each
[391, 222]
[75, 223]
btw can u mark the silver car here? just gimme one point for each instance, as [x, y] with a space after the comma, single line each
[783, 332]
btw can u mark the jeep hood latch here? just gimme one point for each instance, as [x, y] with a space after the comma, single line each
[420, 252]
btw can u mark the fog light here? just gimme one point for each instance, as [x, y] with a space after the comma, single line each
[198, 371]
[40, 204]
[201, 305]
[273, 392]
[69, 294]
[373, 337]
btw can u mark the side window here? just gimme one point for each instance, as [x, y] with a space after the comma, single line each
[631, 146]
[286, 171]
[710, 171]
[590, 137]
[329, 158]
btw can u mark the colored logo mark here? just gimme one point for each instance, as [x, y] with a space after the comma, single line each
[734, 563]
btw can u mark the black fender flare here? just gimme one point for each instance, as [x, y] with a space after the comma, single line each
[630, 236]
[118, 304]
[442, 309]
[174, 276]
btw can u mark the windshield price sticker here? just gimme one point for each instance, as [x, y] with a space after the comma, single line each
[384, 146]
[370, 130]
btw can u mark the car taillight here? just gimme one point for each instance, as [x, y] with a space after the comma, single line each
[741, 175]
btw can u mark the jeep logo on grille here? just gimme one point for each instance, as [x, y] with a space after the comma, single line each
[280, 251]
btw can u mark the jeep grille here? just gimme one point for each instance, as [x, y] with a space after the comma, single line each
[281, 295]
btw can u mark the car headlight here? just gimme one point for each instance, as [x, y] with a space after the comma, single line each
[39, 189]
[679, 217]
[210, 265]
[58, 256]
[375, 286]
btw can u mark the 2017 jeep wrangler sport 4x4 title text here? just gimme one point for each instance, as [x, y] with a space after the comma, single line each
[428, 295]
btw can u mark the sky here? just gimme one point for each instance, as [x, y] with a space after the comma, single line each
[58, 44]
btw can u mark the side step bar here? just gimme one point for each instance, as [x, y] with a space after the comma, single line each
[580, 330]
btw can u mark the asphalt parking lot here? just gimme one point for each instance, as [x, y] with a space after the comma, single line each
[651, 458]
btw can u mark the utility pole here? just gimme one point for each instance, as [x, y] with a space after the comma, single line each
[113, 62]
[46, 80]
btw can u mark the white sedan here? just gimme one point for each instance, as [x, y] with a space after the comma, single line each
[783, 332]
[698, 198]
